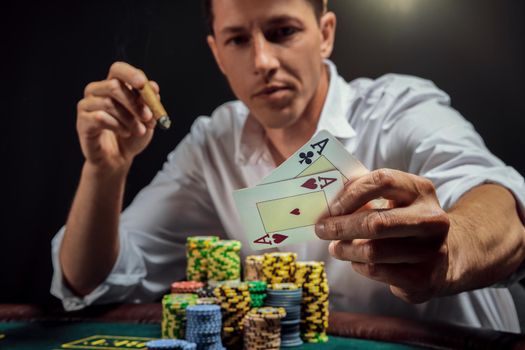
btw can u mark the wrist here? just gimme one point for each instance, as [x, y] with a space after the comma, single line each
[107, 173]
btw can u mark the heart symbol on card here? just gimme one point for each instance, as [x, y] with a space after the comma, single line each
[296, 211]
[278, 238]
[310, 184]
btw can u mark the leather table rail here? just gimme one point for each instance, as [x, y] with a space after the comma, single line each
[380, 328]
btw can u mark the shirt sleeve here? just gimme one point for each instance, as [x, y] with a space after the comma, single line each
[433, 140]
[153, 231]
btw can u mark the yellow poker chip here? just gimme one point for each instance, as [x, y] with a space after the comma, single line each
[311, 276]
[268, 312]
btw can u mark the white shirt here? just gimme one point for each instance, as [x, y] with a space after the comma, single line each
[396, 121]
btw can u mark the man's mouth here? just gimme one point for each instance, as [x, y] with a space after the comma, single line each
[273, 89]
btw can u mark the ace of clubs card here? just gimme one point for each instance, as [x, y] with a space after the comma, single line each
[322, 153]
[286, 212]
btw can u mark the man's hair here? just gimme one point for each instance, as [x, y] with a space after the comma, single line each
[319, 7]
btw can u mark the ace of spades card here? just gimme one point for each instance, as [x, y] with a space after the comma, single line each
[322, 153]
[286, 212]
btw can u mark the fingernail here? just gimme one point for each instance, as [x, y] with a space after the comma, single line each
[138, 81]
[319, 230]
[336, 209]
[146, 113]
[142, 129]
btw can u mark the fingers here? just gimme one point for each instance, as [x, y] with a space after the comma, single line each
[399, 186]
[414, 283]
[93, 123]
[113, 109]
[127, 74]
[414, 221]
[118, 91]
[381, 251]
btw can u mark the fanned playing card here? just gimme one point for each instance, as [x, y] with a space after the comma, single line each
[286, 212]
[322, 153]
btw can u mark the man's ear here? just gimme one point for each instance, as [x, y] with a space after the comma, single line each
[327, 24]
[212, 43]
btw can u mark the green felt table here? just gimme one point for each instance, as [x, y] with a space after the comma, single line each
[72, 335]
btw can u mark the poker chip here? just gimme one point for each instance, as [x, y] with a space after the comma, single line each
[253, 268]
[311, 276]
[287, 296]
[203, 326]
[170, 344]
[224, 261]
[262, 328]
[235, 302]
[207, 301]
[257, 292]
[174, 314]
[186, 286]
[206, 291]
[279, 267]
[197, 248]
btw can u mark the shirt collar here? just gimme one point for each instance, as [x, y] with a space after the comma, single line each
[334, 119]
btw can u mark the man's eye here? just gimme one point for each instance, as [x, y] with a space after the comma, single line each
[237, 40]
[282, 33]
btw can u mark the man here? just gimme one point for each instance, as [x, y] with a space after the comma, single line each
[455, 226]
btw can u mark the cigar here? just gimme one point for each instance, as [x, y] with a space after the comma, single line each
[159, 113]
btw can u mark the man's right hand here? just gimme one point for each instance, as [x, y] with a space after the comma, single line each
[113, 123]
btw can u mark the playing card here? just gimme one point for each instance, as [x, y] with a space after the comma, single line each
[286, 212]
[322, 153]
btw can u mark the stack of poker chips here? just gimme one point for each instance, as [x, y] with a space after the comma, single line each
[203, 326]
[287, 295]
[197, 249]
[224, 261]
[279, 267]
[257, 292]
[262, 328]
[174, 314]
[186, 286]
[165, 344]
[311, 276]
[253, 268]
[235, 302]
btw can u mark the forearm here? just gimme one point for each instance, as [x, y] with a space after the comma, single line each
[486, 238]
[90, 246]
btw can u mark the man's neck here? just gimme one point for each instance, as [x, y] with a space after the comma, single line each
[286, 141]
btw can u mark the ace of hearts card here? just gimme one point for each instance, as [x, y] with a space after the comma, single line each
[286, 212]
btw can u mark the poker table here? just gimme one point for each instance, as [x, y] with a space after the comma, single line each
[115, 327]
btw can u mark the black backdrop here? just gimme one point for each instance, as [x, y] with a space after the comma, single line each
[473, 49]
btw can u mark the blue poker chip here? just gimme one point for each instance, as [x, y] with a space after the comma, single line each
[170, 344]
[290, 300]
[204, 326]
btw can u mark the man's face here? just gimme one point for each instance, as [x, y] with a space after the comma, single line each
[272, 54]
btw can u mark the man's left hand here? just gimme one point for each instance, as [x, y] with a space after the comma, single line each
[405, 246]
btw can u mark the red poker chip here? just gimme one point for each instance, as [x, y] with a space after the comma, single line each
[186, 286]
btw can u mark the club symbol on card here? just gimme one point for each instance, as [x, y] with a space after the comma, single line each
[310, 184]
[296, 211]
[306, 157]
[275, 238]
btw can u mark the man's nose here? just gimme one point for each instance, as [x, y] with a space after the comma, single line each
[265, 60]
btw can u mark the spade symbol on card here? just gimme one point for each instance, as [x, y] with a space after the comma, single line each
[276, 237]
[296, 211]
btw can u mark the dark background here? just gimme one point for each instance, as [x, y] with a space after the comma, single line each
[472, 49]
